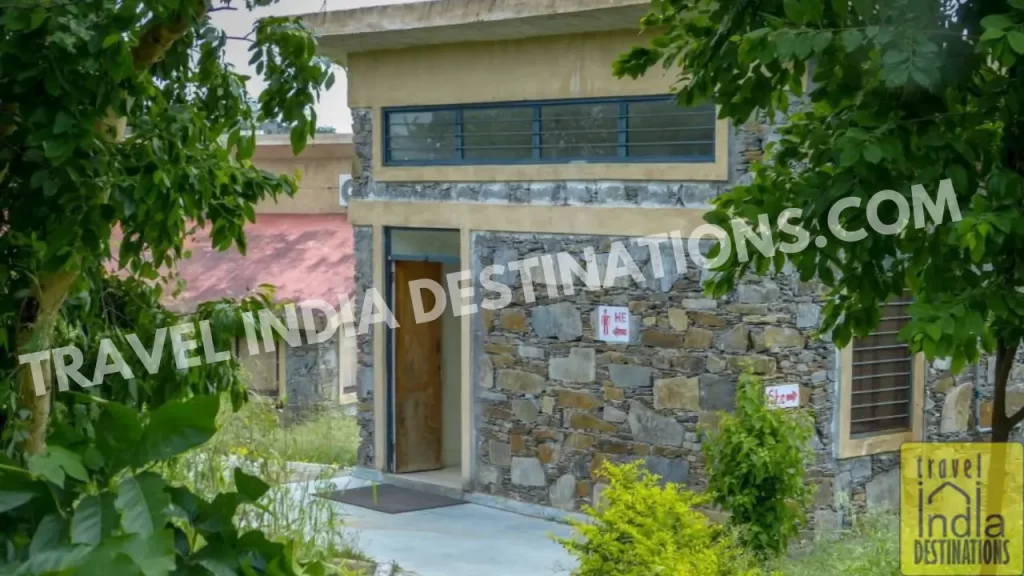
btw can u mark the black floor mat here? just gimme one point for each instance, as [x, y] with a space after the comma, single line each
[391, 499]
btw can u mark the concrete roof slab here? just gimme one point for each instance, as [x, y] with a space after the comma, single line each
[343, 32]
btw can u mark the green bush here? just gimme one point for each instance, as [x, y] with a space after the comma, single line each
[869, 548]
[755, 466]
[642, 529]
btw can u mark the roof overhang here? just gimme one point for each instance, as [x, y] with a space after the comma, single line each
[343, 32]
[279, 146]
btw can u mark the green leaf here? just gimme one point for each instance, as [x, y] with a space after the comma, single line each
[118, 432]
[11, 499]
[143, 503]
[55, 463]
[95, 519]
[1016, 41]
[873, 153]
[48, 534]
[841, 8]
[178, 426]
[63, 123]
[794, 10]
[998, 21]
[252, 488]
[993, 34]
[298, 138]
[152, 553]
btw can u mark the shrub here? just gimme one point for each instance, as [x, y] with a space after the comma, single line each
[869, 548]
[642, 529]
[755, 465]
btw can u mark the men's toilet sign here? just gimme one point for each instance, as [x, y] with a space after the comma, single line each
[613, 324]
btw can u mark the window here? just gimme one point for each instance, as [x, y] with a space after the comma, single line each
[596, 130]
[882, 383]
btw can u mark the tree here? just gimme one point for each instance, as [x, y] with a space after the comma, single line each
[123, 115]
[901, 93]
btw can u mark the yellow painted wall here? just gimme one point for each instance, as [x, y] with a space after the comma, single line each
[571, 66]
[318, 189]
[542, 68]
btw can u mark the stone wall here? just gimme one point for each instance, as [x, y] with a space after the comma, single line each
[363, 246]
[312, 374]
[553, 403]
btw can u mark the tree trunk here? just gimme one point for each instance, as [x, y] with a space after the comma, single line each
[1001, 423]
[41, 309]
[35, 333]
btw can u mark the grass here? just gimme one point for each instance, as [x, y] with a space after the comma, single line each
[329, 438]
[254, 439]
[870, 548]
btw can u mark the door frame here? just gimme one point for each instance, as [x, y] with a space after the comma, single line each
[389, 337]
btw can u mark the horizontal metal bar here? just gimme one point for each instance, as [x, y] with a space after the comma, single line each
[897, 303]
[887, 403]
[440, 258]
[872, 348]
[886, 318]
[879, 418]
[467, 133]
[889, 361]
[880, 390]
[631, 159]
[556, 146]
[889, 375]
[886, 333]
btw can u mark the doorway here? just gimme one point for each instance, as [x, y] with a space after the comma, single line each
[424, 358]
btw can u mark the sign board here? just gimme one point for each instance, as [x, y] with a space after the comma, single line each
[783, 395]
[613, 323]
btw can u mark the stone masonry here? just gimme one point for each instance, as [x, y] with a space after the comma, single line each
[552, 403]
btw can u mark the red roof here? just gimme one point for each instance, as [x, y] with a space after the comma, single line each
[304, 256]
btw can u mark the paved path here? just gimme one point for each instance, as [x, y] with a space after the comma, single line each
[463, 540]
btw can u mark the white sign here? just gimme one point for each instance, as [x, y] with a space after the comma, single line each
[783, 395]
[613, 324]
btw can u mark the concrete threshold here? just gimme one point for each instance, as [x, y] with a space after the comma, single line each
[488, 500]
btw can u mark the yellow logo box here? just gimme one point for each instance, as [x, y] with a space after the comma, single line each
[961, 510]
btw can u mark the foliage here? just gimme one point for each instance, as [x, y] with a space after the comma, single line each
[291, 512]
[755, 466]
[870, 548]
[642, 528]
[122, 130]
[327, 436]
[901, 93]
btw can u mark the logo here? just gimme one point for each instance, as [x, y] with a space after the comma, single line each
[961, 510]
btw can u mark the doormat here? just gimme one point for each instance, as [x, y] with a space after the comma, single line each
[391, 499]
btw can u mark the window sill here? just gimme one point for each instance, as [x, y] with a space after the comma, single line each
[855, 448]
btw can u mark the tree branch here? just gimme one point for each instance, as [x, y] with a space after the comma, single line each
[160, 35]
[1016, 418]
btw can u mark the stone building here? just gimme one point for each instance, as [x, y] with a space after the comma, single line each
[487, 133]
[303, 247]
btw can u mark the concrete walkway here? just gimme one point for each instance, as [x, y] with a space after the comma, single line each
[463, 540]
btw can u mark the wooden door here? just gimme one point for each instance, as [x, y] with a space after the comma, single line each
[418, 389]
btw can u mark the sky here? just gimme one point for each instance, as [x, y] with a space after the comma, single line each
[333, 107]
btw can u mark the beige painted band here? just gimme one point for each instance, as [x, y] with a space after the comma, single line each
[380, 430]
[597, 220]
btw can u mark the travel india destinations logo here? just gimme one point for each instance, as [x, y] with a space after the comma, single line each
[961, 511]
